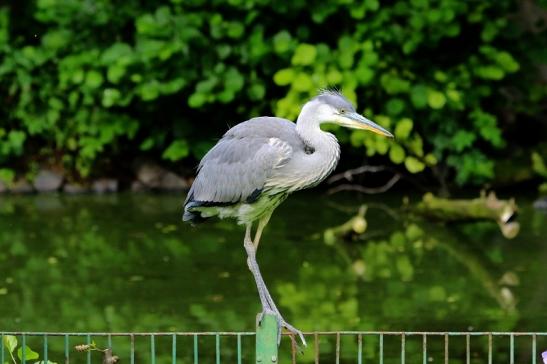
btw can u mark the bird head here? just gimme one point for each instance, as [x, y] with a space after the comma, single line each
[333, 107]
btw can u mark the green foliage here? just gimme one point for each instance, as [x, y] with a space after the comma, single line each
[29, 354]
[177, 150]
[11, 345]
[87, 87]
[7, 175]
[406, 63]
[538, 164]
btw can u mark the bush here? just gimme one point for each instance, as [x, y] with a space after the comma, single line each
[88, 85]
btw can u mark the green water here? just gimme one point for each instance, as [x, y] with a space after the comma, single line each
[128, 263]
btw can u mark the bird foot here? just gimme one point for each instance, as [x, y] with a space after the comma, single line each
[282, 323]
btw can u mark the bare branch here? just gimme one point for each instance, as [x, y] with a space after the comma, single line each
[367, 190]
[348, 175]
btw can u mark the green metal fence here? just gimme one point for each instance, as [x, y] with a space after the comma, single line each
[239, 347]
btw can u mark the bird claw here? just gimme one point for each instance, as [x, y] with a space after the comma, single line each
[295, 332]
[280, 324]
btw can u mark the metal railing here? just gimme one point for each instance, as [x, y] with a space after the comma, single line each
[339, 347]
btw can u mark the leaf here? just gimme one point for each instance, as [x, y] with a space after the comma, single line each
[471, 167]
[7, 176]
[364, 74]
[29, 353]
[303, 82]
[115, 73]
[206, 86]
[430, 159]
[176, 151]
[436, 99]
[507, 62]
[56, 39]
[234, 80]
[490, 72]
[403, 128]
[382, 145]
[418, 95]
[235, 29]
[345, 59]
[147, 144]
[10, 342]
[372, 4]
[395, 106]
[257, 91]
[282, 42]
[196, 100]
[413, 165]
[226, 96]
[462, 139]
[110, 97]
[487, 125]
[334, 77]
[150, 90]
[397, 154]
[437, 293]
[304, 54]
[93, 79]
[284, 77]
[538, 165]
[16, 140]
[358, 137]
[454, 96]
[394, 84]
[55, 103]
[405, 268]
[414, 232]
[115, 52]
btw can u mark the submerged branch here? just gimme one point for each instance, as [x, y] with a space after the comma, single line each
[447, 210]
[482, 208]
[355, 226]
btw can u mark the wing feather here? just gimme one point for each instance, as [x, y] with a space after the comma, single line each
[236, 167]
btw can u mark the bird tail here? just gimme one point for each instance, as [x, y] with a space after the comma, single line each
[190, 215]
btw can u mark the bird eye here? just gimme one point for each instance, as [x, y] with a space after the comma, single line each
[342, 111]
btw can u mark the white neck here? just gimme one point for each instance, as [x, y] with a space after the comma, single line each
[325, 150]
[308, 128]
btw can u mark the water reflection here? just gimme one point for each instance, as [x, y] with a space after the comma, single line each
[127, 263]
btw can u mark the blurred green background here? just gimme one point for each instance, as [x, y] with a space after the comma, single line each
[89, 86]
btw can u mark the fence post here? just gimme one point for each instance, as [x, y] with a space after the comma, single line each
[266, 340]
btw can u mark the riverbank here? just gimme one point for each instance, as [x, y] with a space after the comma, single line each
[147, 176]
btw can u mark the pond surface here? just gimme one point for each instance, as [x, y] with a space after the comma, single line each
[127, 263]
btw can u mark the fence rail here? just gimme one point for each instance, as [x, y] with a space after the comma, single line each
[340, 347]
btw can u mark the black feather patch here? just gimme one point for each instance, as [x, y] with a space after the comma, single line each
[309, 150]
[254, 196]
[193, 215]
[193, 204]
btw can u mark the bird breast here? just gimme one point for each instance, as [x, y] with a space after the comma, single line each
[308, 166]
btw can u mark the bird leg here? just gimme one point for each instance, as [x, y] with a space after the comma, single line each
[268, 304]
[261, 224]
[253, 267]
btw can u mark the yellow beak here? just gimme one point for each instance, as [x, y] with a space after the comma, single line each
[356, 121]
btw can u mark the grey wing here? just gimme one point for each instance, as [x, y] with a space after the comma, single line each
[236, 169]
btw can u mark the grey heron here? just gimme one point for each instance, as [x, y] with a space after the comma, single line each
[259, 162]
